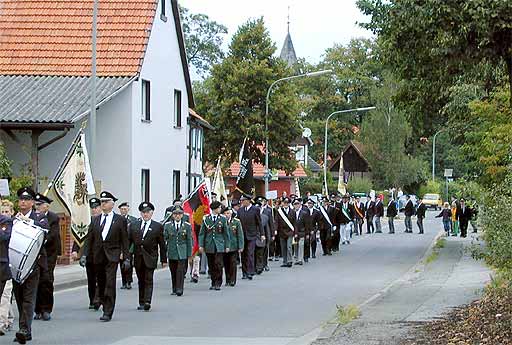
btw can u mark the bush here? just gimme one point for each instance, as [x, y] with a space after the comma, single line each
[15, 184]
[430, 187]
[359, 185]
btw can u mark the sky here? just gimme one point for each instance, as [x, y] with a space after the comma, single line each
[314, 25]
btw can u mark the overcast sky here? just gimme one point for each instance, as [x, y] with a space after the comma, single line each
[315, 25]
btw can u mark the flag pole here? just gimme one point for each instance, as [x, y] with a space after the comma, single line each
[66, 158]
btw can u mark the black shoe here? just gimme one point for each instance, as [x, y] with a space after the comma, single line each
[46, 316]
[97, 306]
[314, 256]
[21, 338]
[147, 306]
[244, 276]
[267, 269]
[330, 254]
[105, 318]
[91, 306]
[37, 316]
[129, 286]
[289, 265]
[249, 277]
[283, 265]
[348, 242]
[140, 307]
[306, 260]
[217, 288]
[179, 293]
[271, 259]
[173, 293]
[202, 272]
[194, 280]
[123, 287]
[212, 288]
[324, 254]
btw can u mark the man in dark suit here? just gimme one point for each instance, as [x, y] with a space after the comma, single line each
[347, 214]
[285, 226]
[421, 209]
[44, 300]
[300, 231]
[311, 221]
[391, 213]
[26, 292]
[5, 270]
[267, 224]
[147, 237]
[127, 275]
[336, 236]
[326, 225]
[463, 216]
[250, 218]
[358, 216]
[408, 212]
[369, 214]
[379, 213]
[108, 242]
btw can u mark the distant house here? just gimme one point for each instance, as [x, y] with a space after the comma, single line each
[149, 140]
[354, 162]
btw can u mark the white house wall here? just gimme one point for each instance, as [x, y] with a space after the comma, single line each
[157, 145]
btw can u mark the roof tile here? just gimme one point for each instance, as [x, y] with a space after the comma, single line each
[53, 37]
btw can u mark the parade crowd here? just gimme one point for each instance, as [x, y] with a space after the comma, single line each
[250, 232]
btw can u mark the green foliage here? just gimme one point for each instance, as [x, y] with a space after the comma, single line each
[315, 184]
[5, 163]
[16, 183]
[431, 187]
[347, 314]
[359, 185]
[233, 100]
[203, 40]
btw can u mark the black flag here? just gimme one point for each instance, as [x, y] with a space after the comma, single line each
[245, 180]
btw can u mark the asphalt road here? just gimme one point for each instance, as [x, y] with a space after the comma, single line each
[278, 307]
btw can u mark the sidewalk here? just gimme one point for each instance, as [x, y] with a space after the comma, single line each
[428, 291]
[69, 276]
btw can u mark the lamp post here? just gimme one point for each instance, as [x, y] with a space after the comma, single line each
[92, 115]
[267, 102]
[434, 155]
[325, 137]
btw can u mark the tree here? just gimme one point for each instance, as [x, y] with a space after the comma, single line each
[431, 43]
[233, 99]
[203, 40]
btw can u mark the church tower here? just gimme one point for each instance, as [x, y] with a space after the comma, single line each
[288, 51]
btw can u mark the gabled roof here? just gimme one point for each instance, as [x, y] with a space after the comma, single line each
[313, 166]
[53, 37]
[288, 51]
[358, 147]
[47, 99]
[200, 119]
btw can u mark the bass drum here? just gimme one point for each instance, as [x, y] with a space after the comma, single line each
[24, 246]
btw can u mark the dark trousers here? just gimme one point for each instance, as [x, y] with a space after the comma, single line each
[261, 256]
[92, 279]
[248, 257]
[178, 269]
[313, 244]
[230, 266]
[127, 274]
[358, 227]
[106, 275]
[25, 295]
[215, 263]
[275, 247]
[335, 239]
[145, 281]
[44, 300]
[420, 224]
[307, 247]
[369, 225]
[463, 224]
[325, 240]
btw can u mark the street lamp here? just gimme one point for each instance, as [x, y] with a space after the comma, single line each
[325, 138]
[311, 74]
[434, 155]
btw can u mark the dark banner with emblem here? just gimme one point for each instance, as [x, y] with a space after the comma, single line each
[245, 179]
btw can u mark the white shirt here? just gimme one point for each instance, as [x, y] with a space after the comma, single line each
[248, 207]
[108, 223]
[310, 211]
[144, 228]
[177, 224]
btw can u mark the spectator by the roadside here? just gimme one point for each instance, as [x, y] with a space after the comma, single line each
[446, 214]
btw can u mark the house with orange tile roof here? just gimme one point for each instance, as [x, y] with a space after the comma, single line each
[149, 140]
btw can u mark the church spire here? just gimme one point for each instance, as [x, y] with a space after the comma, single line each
[288, 51]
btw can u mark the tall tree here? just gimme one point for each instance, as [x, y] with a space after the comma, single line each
[233, 99]
[203, 40]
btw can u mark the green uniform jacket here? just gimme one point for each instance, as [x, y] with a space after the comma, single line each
[179, 241]
[237, 235]
[214, 237]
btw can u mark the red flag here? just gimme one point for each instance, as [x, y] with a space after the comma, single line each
[196, 205]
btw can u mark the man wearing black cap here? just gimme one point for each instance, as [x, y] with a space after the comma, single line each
[108, 243]
[178, 237]
[127, 275]
[214, 240]
[463, 216]
[261, 251]
[26, 293]
[347, 214]
[92, 283]
[369, 215]
[250, 218]
[311, 221]
[326, 225]
[236, 246]
[147, 237]
[285, 225]
[44, 301]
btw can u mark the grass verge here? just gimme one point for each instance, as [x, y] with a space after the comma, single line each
[347, 314]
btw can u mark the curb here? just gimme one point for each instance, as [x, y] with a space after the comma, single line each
[332, 326]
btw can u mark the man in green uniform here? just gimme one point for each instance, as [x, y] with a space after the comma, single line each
[236, 246]
[214, 240]
[178, 237]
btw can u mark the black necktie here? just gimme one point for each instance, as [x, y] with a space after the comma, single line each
[144, 230]
[102, 226]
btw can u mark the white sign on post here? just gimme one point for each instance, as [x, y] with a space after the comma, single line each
[4, 187]
[448, 172]
[271, 195]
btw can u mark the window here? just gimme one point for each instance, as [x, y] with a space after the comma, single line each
[162, 11]
[177, 108]
[144, 185]
[193, 141]
[176, 181]
[146, 100]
